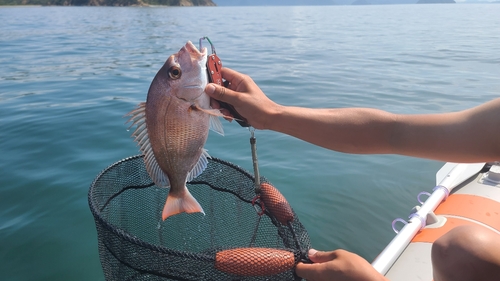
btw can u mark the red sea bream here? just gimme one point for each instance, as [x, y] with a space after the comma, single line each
[173, 124]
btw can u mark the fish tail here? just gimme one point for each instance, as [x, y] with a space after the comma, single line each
[179, 204]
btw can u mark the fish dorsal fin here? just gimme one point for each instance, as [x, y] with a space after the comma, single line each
[200, 166]
[140, 135]
[216, 125]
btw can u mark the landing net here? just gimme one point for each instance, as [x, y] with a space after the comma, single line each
[242, 236]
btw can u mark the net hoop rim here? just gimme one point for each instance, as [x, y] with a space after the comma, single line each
[134, 239]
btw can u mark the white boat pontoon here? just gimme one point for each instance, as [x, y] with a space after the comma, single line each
[465, 194]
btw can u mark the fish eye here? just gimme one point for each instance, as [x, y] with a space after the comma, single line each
[174, 72]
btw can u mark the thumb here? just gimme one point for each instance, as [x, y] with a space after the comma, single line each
[220, 93]
[319, 256]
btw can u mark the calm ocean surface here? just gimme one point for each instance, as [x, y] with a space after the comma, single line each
[69, 74]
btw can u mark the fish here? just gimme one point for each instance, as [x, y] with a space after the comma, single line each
[172, 127]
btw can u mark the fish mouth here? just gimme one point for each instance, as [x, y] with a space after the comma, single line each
[191, 48]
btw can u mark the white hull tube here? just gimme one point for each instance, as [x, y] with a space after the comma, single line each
[458, 174]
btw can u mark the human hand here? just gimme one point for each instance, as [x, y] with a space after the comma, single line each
[339, 265]
[245, 96]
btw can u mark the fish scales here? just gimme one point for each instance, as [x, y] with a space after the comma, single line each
[179, 143]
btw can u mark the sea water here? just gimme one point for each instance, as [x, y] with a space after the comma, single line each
[69, 74]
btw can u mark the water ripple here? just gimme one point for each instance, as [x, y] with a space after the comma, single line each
[69, 74]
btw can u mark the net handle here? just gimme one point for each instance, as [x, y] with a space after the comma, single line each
[253, 146]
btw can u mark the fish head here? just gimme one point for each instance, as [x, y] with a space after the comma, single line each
[185, 72]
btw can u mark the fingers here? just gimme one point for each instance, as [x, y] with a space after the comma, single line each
[314, 271]
[231, 75]
[306, 271]
[318, 256]
[220, 93]
[245, 96]
[225, 94]
[237, 81]
[337, 265]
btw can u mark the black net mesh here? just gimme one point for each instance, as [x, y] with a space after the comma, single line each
[231, 242]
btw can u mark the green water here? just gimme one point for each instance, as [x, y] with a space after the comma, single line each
[69, 74]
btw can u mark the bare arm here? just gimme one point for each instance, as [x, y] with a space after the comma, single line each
[471, 135]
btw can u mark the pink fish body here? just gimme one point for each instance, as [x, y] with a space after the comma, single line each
[173, 124]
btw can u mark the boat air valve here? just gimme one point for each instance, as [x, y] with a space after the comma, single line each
[493, 175]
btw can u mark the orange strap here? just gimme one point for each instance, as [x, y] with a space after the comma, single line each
[429, 235]
[475, 208]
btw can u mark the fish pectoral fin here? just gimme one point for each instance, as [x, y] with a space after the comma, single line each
[181, 204]
[216, 125]
[209, 111]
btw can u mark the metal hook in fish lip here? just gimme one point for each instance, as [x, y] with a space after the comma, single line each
[211, 45]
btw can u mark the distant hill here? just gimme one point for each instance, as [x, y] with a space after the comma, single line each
[110, 2]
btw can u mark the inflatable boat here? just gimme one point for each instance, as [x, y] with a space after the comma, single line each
[465, 194]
